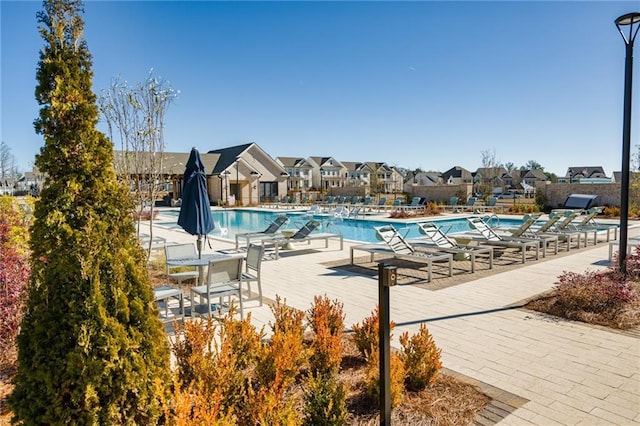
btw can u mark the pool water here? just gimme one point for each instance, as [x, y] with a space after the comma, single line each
[241, 221]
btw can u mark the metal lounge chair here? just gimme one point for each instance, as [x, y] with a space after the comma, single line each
[273, 227]
[490, 236]
[303, 233]
[436, 237]
[395, 245]
[588, 222]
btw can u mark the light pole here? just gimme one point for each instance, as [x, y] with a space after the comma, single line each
[630, 21]
[321, 188]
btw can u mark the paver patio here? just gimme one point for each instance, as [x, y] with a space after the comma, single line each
[563, 372]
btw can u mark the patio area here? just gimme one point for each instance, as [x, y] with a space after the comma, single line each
[540, 370]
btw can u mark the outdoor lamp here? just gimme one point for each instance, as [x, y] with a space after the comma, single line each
[630, 21]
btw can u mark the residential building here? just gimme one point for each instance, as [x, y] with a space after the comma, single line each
[247, 175]
[456, 176]
[328, 172]
[300, 173]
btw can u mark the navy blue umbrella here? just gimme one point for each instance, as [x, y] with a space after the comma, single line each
[195, 211]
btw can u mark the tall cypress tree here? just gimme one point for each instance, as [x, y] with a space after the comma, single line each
[91, 348]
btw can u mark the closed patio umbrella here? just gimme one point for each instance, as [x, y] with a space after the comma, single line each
[195, 211]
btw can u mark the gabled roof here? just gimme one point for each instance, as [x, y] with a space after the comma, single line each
[325, 161]
[378, 166]
[228, 156]
[535, 174]
[586, 171]
[490, 171]
[457, 172]
[354, 166]
[293, 162]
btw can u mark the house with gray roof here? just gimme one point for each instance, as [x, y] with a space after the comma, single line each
[247, 175]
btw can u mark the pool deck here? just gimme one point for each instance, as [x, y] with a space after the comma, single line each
[545, 371]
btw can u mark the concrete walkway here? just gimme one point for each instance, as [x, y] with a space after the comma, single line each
[556, 371]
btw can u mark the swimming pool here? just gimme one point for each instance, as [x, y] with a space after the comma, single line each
[240, 221]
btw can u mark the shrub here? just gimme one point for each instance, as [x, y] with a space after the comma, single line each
[211, 381]
[14, 277]
[327, 323]
[595, 292]
[421, 358]
[366, 335]
[278, 363]
[397, 372]
[612, 211]
[325, 402]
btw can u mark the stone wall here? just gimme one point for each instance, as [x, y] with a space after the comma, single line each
[439, 193]
[608, 193]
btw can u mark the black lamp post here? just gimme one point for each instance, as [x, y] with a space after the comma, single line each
[630, 21]
[321, 188]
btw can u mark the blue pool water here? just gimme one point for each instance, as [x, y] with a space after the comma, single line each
[240, 221]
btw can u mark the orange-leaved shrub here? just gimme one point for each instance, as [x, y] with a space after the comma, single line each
[326, 320]
[278, 363]
[396, 379]
[366, 334]
[325, 395]
[215, 363]
[421, 358]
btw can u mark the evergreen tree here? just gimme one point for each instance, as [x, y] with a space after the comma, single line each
[91, 348]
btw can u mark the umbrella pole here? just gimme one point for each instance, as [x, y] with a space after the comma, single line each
[199, 245]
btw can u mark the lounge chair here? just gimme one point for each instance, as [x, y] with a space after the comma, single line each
[436, 237]
[453, 204]
[489, 236]
[273, 227]
[304, 233]
[588, 222]
[396, 246]
[564, 228]
[528, 221]
[470, 205]
[548, 229]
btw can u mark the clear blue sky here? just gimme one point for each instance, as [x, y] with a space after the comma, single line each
[415, 84]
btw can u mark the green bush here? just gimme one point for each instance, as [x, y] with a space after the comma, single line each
[421, 358]
[325, 400]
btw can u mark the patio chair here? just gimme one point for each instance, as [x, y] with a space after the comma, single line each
[489, 236]
[471, 201]
[549, 228]
[163, 294]
[224, 280]
[453, 204]
[397, 246]
[303, 233]
[435, 236]
[178, 273]
[588, 222]
[528, 221]
[252, 270]
[273, 227]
